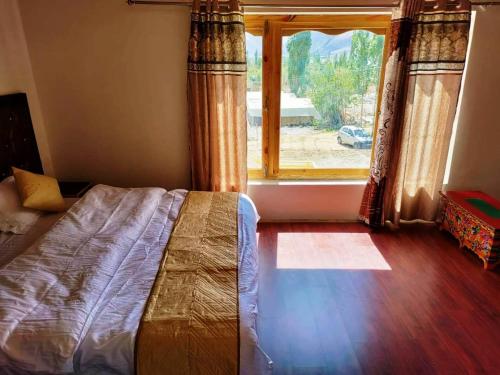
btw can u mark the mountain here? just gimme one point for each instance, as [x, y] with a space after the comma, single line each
[327, 45]
[323, 44]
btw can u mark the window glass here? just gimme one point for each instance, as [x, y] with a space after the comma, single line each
[328, 81]
[254, 100]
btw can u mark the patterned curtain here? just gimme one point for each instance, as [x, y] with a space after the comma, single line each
[428, 44]
[217, 97]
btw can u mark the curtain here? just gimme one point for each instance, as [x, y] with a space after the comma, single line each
[428, 44]
[217, 97]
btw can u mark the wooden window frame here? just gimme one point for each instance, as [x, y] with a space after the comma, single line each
[272, 28]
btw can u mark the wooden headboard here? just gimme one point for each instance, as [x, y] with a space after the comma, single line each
[18, 146]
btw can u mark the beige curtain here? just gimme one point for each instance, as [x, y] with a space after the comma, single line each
[436, 64]
[423, 75]
[217, 97]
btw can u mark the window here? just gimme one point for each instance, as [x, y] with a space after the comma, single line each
[313, 91]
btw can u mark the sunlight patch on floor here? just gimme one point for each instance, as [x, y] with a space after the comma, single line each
[348, 251]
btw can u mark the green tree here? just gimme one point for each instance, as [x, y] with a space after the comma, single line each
[254, 71]
[332, 86]
[257, 59]
[365, 59]
[334, 83]
[298, 47]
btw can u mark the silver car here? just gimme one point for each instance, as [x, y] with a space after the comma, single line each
[354, 136]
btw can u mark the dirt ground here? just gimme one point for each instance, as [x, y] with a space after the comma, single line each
[307, 147]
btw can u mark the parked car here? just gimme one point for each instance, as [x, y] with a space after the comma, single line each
[354, 136]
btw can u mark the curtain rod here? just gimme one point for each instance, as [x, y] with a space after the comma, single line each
[274, 4]
[278, 4]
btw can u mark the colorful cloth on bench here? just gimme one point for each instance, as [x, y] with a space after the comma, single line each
[479, 204]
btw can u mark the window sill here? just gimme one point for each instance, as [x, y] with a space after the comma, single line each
[267, 182]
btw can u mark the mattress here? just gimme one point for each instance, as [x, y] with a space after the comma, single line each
[86, 282]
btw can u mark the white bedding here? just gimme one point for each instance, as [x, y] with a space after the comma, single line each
[72, 302]
[11, 245]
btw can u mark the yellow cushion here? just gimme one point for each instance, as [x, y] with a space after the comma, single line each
[38, 192]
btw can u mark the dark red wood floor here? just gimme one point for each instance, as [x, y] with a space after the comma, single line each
[434, 312]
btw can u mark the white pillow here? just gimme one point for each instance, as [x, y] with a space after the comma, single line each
[13, 216]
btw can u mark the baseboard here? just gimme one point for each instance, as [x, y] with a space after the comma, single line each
[346, 221]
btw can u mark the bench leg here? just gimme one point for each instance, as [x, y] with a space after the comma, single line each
[490, 266]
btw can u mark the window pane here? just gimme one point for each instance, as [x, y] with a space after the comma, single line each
[254, 101]
[328, 99]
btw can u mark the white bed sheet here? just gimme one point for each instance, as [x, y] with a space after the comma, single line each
[11, 245]
[86, 322]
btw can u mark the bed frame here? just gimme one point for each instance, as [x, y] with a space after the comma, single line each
[18, 145]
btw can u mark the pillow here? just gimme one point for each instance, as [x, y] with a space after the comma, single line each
[38, 191]
[13, 217]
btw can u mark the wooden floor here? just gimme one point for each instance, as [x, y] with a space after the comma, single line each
[423, 307]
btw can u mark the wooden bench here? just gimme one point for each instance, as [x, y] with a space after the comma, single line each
[473, 217]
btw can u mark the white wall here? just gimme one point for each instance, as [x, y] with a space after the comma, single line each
[112, 83]
[476, 156]
[307, 201]
[16, 74]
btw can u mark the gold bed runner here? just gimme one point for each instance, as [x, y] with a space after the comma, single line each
[191, 323]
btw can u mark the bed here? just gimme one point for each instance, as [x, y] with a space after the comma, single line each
[74, 289]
